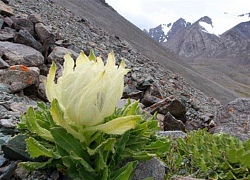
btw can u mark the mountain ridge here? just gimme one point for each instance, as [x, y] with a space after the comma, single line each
[225, 56]
[118, 25]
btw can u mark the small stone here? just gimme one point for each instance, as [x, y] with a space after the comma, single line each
[19, 77]
[2, 160]
[44, 34]
[35, 18]
[41, 88]
[3, 64]
[24, 37]
[7, 123]
[59, 52]
[9, 171]
[172, 124]
[7, 34]
[1, 23]
[15, 149]
[21, 172]
[153, 168]
[5, 9]
[149, 100]
[172, 134]
[8, 21]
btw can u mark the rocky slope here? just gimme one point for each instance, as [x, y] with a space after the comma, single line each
[37, 32]
[112, 22]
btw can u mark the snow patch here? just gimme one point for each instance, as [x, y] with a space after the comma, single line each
[208, 28]
[166, 28]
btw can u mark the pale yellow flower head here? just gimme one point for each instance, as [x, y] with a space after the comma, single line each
[88, 91]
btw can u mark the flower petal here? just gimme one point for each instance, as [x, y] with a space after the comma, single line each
[50, 84]
[118, 125]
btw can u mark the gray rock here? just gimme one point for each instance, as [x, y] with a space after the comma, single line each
[44, 34]
[149, 100]
[21, 54]
[59, 52]
[35, 18]
[130, 91]
[15, 149]
[153, 168]
[23, 22]
[21, 172]
[8, 21]
[2, 160]
[234, 118]
[7, 34]
[24, 37]
[3, 64]
[172, 134]
[5, 9]
[172, 124]
[7, 123]
[145, 84]
[41, 88]
[174, 106]
[8, 171]
[1, 23]
[19, 77]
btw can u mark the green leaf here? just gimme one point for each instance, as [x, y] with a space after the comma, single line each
[233, 155]
[31, 166]
[81, 161]
[213, 175]
[131, 109]
[125, 172]
[107, 145]
[92, 56]
[67, 142]
[245, 159]
[36, 149]
[34, 127]
[230, 175]
[158, 146]
[203, 165]
[138, 155]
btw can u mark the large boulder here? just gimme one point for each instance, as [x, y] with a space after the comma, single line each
[19, 54]
[234, 118]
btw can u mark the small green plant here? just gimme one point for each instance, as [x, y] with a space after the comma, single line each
[82, 133]
[210, 156]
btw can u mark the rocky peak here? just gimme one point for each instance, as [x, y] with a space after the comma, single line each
[206, 19]
[243, 29]
[164, 32]
[178, 26]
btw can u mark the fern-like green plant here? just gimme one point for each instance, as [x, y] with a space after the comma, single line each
[210, 156]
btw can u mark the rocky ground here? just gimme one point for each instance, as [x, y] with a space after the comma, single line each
[35, 32]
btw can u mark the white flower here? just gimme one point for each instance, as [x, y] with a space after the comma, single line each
[88, 91]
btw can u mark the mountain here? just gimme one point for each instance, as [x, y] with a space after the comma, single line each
[223, 58]
[115, 24]
[194, 40]
[164, 32]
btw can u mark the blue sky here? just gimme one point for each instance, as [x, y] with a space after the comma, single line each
[150, 13]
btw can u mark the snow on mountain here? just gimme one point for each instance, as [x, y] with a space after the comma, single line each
[208, 28]
[228, 21]
[166, 27]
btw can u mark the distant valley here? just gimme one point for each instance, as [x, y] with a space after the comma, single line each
[224, 58]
